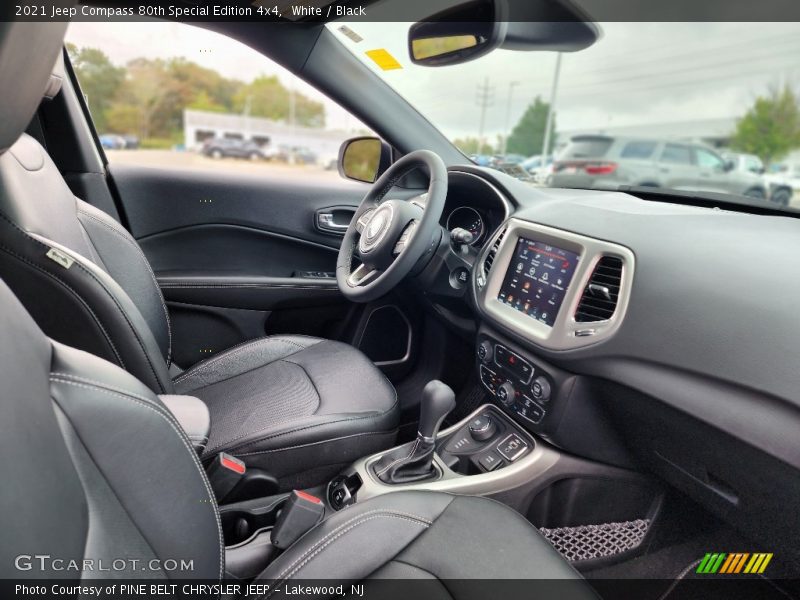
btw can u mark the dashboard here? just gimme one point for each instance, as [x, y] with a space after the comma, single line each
[474, 204]
[647, 335]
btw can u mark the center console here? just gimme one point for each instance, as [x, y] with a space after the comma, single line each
[483, 454]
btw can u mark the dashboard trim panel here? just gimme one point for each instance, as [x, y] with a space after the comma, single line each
[566, 333]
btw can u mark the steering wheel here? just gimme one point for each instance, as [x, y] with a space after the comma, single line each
[388, 237]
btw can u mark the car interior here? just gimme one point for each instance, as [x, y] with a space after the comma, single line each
[284, 381]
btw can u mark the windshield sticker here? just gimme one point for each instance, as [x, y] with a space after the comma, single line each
[347, 32]
[383, 59]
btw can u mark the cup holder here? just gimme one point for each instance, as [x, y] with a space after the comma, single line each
[240, 521]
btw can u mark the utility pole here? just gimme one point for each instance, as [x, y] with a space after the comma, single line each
[511, 86]
[548, 128]
[485, 99]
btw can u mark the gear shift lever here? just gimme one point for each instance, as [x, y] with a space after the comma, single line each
[414, 461]
[437, 402]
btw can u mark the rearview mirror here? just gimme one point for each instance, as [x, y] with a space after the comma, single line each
[364, 158]
[459, 34]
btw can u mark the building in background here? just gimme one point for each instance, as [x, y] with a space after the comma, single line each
[198, 126]
[714, 132]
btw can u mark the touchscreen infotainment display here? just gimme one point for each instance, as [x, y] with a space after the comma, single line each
[537, 279]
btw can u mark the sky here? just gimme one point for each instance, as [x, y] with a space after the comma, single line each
[637, 73]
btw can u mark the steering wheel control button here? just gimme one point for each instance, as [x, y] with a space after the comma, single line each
[512, 447]
[513, 362]
[490, 461]
[485, 351]
[482, 428]
[407, 234]
[507, 394]
[541, 389]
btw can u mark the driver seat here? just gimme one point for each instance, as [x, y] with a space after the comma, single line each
[298, 407]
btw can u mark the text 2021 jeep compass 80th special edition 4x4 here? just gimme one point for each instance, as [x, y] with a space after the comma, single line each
[381, 355]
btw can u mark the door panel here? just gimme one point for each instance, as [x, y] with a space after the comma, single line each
[238, 257]
[158, 200]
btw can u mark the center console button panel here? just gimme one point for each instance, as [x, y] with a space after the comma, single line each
[489, 442]
[512, 447]
[513, 379]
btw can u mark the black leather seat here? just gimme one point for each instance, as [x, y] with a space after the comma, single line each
[285, 403]
[95, 468]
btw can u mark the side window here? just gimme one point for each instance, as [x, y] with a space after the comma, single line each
[708, 160]
[640, 150]
[754, 164]
[677, 154]
[178, 96]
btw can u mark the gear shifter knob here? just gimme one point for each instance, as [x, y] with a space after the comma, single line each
[437, 401]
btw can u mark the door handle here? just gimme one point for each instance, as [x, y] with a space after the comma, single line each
[325, 221]
[334, 219]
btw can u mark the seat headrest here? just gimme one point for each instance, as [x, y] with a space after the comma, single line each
[28, 52]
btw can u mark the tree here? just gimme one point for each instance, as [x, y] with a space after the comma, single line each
[771, 128]
[100, 80]
[527, 137]
[472, 145]
[267, 97]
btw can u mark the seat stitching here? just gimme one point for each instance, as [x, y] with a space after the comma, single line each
[103, 287]
[377, 513]
[277, 435]
[95, 257]
[369, 416]
[249, 433]
[105, 386]
[184, 440]
[326, 441]
[138, 249]
[76, 294]
[401, 459]
[319, 550]
[235, 350]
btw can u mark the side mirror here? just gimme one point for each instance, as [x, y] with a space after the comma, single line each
[728, 165]
[458, 34]
[364, 158]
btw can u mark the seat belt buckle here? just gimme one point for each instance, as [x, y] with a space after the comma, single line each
[300, 513]
[224, 472]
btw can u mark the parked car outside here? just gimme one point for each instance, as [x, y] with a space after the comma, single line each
[232, 148]
[298, 154]
[779, 188]
[131, 142]
[508, 159]
[110, 141]
[539, 169]
[482, 160]
[605, 162]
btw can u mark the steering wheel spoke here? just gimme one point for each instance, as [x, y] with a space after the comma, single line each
[362, 275]
[364, 219]
[405, 237]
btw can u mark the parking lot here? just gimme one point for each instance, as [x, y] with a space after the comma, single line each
[192, 160]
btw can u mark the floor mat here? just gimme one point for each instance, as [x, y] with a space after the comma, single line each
[589, 542]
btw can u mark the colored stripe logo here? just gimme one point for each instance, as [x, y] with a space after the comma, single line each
[734, 563]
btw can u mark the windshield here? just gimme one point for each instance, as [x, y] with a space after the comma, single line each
[667, 105]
